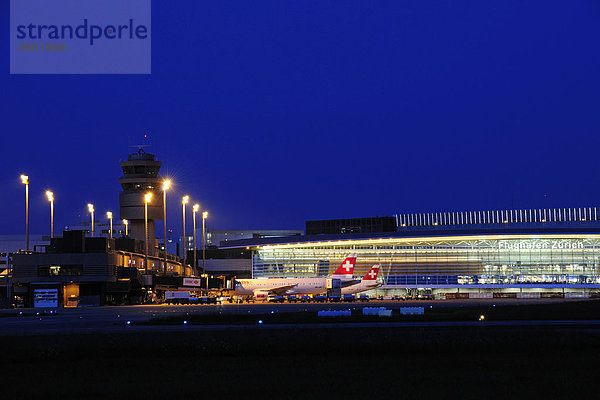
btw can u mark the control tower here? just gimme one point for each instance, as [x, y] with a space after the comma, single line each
[140, 176]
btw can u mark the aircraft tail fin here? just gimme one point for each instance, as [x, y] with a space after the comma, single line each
[372, 274]
[346, 267]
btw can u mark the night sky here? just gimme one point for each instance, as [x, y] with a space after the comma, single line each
[270, 113]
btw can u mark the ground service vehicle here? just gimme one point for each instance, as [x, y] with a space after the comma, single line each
[176, 297]
[349, 298]
[275, 299]
[320, 298]
[292, 298]
[305, 299]
[208, 300]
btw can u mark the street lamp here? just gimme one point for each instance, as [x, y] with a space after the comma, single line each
[109, 216]
[50, 196]
[165, 186]
[147, 199]
[25, 181]
[126, 223]
[195, 209]
[204, 216]
[184, 201]
[91, 211]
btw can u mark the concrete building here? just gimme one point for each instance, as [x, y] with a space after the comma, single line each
[75, 270]
[9, 245]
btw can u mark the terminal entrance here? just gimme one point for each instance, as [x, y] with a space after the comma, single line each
[71, 295]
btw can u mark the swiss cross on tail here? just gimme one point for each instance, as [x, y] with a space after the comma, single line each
[347, 267]
[372, 274]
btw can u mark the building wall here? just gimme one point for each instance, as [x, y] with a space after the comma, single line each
[98, 267]
[220, 237]
[101, 228]
[80, 267]
[351, 225]
[242, 268]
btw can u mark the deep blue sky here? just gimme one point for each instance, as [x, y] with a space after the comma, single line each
[274, 112]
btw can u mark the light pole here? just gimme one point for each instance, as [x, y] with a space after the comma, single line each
[109, 216]
[165, 186]
[91, 210]
[25, 181]
[147, 199]
[204, 216]
[195, 209]
[50, 196]
[126, 223]
[184, 201]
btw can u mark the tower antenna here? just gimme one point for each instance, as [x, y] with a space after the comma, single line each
[140, 147]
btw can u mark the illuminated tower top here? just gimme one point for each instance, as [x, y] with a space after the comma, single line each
[140, 176]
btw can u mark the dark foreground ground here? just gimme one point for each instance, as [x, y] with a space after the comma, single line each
[444, 362]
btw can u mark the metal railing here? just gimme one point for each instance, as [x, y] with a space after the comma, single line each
[499, 216]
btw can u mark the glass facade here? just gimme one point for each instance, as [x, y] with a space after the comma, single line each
[446, 261]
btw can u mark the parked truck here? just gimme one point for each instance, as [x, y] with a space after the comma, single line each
[177, 297]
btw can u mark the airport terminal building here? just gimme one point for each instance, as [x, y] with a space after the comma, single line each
[493, 252]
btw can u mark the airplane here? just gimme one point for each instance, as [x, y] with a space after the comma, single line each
[261, 288]
[367, 283]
